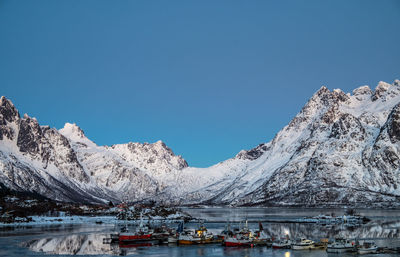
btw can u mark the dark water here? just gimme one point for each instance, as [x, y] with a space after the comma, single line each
[87, 240]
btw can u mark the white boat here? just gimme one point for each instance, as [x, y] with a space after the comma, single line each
[367, 247]
[341, 245]
[284, 243]
[198, 236]
[303, 244]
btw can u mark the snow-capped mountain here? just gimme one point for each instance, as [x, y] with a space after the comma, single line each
[339, 149]
[66, 165]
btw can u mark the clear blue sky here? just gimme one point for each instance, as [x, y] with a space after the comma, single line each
[209, 78]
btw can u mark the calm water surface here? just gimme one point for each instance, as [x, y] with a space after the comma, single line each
[87, 240]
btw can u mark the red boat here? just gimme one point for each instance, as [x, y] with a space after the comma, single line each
[134, 236]
[142, 234]
[235, 242]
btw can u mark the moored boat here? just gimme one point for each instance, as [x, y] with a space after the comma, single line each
[198, 236]
[227, 232]
[142, 233]
[283, 243]
[173, 238]
[303, 244]
[367, 247]
[260, 238]
[341, 245]
[238, 241]
[242, 237]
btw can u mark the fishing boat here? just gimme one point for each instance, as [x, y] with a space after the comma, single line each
[227, 232]
[260, 238]
[173, 238]
[243, 237]
[198, 236]
[142, 233]
[367, 247]
[283, 243]
[341, 245]
[303, 244]
[162, 233]
[238, 240]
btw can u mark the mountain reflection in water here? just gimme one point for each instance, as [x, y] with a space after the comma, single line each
[92, 244]
[80, 244]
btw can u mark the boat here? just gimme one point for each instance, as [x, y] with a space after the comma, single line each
[198, 236]
[173, 238]
[240, 238]
[322, 244]
[303, 244]
[367, 247]
[238, 241]
[162, 233]
[142, 233]
[227, 232]
[341, 245]
[260, 238]
[283, 243]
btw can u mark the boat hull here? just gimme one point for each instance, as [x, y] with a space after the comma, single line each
[187, 242]
[340, 250]
[134, 238]
[281, 246]
[302, 247]
[367, 251]
[192, 242]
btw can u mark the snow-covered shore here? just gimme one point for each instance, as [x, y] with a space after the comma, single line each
[63, 220]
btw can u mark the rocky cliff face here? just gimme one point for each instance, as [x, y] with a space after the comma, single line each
[339, 149]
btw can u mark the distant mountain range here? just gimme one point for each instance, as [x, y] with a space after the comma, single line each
[340, 149]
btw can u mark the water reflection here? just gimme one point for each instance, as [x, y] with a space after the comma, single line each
[80, 244]
[388, 233]
[373, 229]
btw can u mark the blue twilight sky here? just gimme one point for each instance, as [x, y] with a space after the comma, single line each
[209, 78]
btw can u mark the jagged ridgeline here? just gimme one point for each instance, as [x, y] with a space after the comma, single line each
[340, 149]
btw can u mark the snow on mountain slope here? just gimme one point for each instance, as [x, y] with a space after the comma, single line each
[339, 149]
[66, 165]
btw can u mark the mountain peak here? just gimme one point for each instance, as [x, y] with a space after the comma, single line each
[73, 128]
[380, 90]
[323, 89]
[8, 112]
[363, 90]
[73, 132]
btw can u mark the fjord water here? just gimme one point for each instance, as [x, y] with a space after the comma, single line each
[87, 239]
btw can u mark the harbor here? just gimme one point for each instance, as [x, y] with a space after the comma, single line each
[209, 235]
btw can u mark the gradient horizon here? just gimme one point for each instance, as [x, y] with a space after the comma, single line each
[207, 78]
